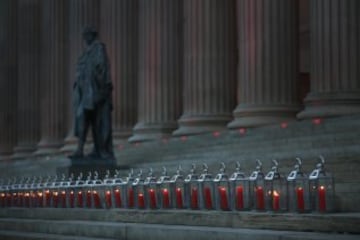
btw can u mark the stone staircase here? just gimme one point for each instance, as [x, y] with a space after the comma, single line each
[91, 224]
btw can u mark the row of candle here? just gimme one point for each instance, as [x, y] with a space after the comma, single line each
[259, 191]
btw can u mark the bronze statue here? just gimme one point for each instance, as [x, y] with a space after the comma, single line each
[92, 99]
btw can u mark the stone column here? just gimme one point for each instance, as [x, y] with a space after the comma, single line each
[119, 31]
[335, 59]
[81, 13]
[53, 108]
[29, 39]
[268, 62]
[160, 68]
[8, 76]
[209, 66]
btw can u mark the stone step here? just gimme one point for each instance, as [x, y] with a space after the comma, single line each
[17, 235]
[99, 222]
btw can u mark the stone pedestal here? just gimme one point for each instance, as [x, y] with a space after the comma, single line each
[209, 66]
[268, 62]
[335, 59]
[29, 64]
[81, 13]
[119, 32]
[54, 72]
[160, 69]
[8, 76]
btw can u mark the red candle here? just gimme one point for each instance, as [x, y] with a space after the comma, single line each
[207, 198]
[300, 199]
[223, 198]
[141, 201]
[8, 199]
[47, 198]
[152, 198]
[130, 198]
[2, 200]
[21, 199]
[239, 198]
[117, 198]
[55, 199]
[97, 202]
[260, 198]
[72, 199]
[179, 201]
[322, 199]
[15, 199]
[40, 199]
[276, 201]
[63, 199]
[194, 198]
[34, 199]
[80, 200]
[88, 199]
[166, 199]
[108, 199]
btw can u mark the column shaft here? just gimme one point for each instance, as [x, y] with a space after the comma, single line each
[119, 31]
[53, 107]
[81, 14]
[268, 64]
[335, 59]
[209, 65]
[29, 39]
[8, 76]
[160, 68]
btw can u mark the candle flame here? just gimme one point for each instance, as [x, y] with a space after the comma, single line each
[276, 194]
[108, 192]
[165, 190]
[2, 195]
[322, 187]
[117, 190]
[178, 189]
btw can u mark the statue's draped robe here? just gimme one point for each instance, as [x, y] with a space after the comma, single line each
[92, 97]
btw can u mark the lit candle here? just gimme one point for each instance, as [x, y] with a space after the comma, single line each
[152, 198]
[15, 199]
[300, 199]
[276, 201]
[141, 201]
[97, 202]
[80, 199]
[239, 198]
[166, 199]
[40, 199]
[21, 199]
[63, 199]
[207, 198]
[34, 199]
[223, 198]
[108, 199]
[130, 198]
[322, 199]
[47, 198]
[88, 199]
[260, 198]
[117, 198]
[8, 196]
[55, 199]
[179, 201]
[2, 199]
[194, 198]
[72, 199]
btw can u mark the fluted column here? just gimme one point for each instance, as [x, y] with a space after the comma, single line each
[119, 31]
[209, 66]
[160, 68]
[29, 39]
[335, 59]
[8, 76]
[53, 111]
[268, 62]
[81, 13]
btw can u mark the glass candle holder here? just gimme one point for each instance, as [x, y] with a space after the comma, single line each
[222, 189]
[240, 193]
[322, 188]
[276, 190]
[138, 191]
[177, 186]
[164, 190]
[192, 189]
[257, 188]
[150, 190]
[206, 187]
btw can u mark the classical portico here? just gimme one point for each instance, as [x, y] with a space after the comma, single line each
[195, 81]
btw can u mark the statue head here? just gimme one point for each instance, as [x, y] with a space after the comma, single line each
[89, 34]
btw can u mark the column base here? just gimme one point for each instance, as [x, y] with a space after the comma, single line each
[46, 146]
[194, 125]
[247, 115]
[330, 104]
[24, 151]
[150, 132]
